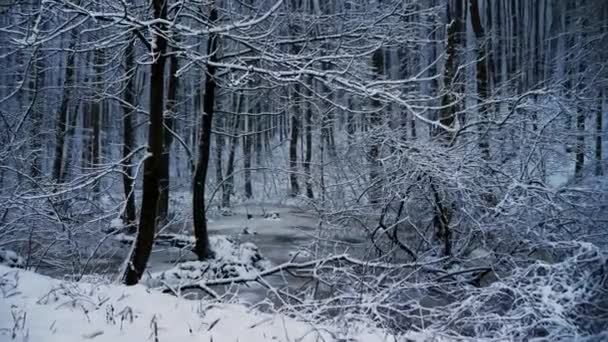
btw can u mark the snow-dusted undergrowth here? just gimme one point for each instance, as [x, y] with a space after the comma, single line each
[230, 260]
[10, 258]
[38, 308]
[562, 300]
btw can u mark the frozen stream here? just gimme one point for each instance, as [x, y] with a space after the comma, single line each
[277, 238]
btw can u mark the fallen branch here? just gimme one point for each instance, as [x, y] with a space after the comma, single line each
[313, 264]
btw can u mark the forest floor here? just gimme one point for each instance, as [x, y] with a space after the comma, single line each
[34, 307]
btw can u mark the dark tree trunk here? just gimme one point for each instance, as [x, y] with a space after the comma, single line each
[247, 152]
[308, 157]
[147, 219]
[169, 122]
[69, 143]
[293, 143]
[580, 116]
[375, 121]
[448, 110]
[201, 247]
[62, 115]
[580, 143]
[599, 170]
[219, 155]
[129, 216]
[259, 134]
[482, 80]
[38, 80]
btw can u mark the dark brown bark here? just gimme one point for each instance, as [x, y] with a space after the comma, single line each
[259, 134]
[482, 79]
[62, 114]
[580, 115]
[308, 156]
[169, 122]
[293, 143]
[580, 144]
[219, 155]
[147, 219]
[129, 215]
[201, 247]
[599, 170]
[247, 152]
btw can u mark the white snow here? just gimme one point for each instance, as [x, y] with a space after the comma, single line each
[10, 258]
[37, 308]
[231, 260]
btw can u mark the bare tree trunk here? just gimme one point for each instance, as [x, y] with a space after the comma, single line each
[308, 157]
[259, 134]
[201, 247]
[169, 122]
[482, 80]
[37, 84]
[247, 152]
[375, 121]
[228, 186]
[448, 110]
[129, 216]
[69, 135]
[293, 143]
[96, 115]
[599, 170]
[147, 219]
[219, 155]
[580, 116]
[62, 114]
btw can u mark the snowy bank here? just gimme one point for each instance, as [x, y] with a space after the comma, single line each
[38, 308]
[230, 260]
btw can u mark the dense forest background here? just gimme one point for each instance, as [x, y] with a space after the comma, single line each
[436, 130]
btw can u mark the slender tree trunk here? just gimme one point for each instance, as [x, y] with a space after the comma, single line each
[580, 116]
[482, 79]
[147, 219]
[448, 110]
[259, 134]
[228, 187]
[96, 115]
[580, 143]
[129, 216]
[293, 143]
[308, 157]
[219, 155]
[69, 141]
[599, 129]
[169, 122]
[201, 246]
[247, 152]
[62, 114]
[375, 121]
[38, 81]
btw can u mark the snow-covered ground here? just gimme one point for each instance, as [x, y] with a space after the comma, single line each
[38, 308]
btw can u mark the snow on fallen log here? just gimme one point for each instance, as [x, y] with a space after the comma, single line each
[230, 260]
[10, 258]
